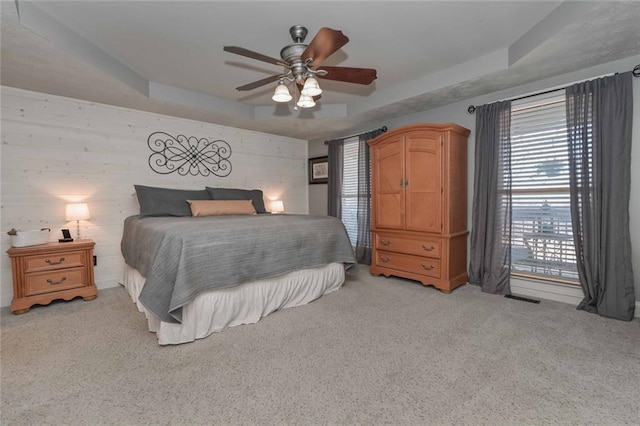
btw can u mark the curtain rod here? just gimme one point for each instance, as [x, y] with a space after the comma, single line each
[381, 130]
[635, 72]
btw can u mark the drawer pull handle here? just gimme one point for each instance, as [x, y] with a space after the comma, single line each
[55, 263]
[385, 242]
[50, 281]
[385, 259]
[427, 248]
[427, 268]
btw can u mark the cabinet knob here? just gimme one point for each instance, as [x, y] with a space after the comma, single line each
[385, 259]
[385, 242]
[50, 262]
[427, 268]
[50, 281]
[427, 248]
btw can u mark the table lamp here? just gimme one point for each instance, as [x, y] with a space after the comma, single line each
[277, 206]
[77, 212]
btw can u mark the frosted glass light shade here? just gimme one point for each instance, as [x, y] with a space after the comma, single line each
[277, 206]
[281, 94]
[77, 211]
[311, 87]
[306, 102]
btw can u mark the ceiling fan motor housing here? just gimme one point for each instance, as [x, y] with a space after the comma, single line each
[292, 52]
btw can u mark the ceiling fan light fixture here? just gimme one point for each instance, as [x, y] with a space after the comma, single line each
[306, 102]
[311, 87]
[282, 93]
[300, 62]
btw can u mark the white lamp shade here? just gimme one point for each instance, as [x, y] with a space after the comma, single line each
[311, 87]
[277, 206]
[77, 211]
[306, 102]
[281, 94]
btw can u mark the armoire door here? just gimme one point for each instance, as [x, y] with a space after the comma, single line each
[389, 184]
[423, 186]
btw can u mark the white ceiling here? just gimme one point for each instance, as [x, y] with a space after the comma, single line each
[167, 56]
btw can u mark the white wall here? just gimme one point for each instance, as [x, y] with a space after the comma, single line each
[55, 150]
[457, 113]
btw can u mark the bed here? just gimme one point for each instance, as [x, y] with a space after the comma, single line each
[194, 276]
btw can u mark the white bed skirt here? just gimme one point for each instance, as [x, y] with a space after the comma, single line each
[213, 311]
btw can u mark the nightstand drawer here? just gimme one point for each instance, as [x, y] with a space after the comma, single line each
[72, 259]
[47, 282]
[403, 262]
[417, 246]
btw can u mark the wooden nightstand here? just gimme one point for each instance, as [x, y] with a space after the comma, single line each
[51, 271]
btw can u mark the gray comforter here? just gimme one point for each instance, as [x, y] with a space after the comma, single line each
[181, 257]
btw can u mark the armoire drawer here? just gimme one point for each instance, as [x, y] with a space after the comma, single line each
[420, 247]
[403, 262]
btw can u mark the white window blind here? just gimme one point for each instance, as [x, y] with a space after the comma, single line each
[350, 188]
[542, 240]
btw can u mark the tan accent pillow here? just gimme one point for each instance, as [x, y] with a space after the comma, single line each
[220, 207]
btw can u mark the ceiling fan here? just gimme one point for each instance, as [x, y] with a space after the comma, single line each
[303, 63]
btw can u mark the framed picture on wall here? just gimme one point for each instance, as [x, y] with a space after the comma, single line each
[319, 169]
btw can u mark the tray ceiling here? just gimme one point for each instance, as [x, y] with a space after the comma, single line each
[167, 56]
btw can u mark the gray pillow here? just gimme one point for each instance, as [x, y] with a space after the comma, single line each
[255, 195]
[167, 202]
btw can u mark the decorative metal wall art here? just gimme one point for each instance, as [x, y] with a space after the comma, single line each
[188, 156]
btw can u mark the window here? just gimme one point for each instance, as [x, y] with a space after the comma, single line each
[542, 239]
[350, 188]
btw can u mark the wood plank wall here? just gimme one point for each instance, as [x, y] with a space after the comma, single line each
[57, 150]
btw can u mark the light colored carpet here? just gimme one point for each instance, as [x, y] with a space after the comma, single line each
[378, 351]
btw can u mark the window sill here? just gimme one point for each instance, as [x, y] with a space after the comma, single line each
[565, 291]
[547, 279]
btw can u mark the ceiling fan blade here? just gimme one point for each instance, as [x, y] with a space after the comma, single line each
[254, 55]
[350, 75]
[323, 45]
[256, 84]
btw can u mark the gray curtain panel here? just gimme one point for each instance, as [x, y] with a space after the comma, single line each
[363, 213]
[334, 190]
[599, 121]
[363, 245]
[490, 240]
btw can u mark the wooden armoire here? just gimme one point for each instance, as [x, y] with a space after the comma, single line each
[419, 204]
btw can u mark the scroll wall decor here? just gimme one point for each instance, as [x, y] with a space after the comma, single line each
[188, 156]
